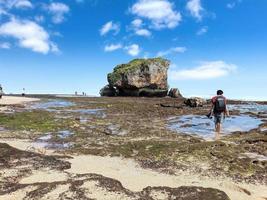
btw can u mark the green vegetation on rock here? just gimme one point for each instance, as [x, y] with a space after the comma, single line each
[132, 66]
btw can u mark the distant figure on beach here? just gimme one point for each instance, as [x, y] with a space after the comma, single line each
[219, 111]
[1, 91]
[23, 92]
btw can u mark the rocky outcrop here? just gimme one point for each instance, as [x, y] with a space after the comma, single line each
[195, 102]
[108, 91]
[175, 93]
[140, 77]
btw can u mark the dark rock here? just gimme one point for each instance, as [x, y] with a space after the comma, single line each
[108, 91]
[140, 77]
[175, 93]
[169, 105]
[195, 102]
[186, 193]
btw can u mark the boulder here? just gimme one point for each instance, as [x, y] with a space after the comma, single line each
[195, 102]
[141, 77]
[175, 93]
[108, 91]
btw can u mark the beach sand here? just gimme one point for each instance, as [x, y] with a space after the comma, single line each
[132, 176]
[13, 100]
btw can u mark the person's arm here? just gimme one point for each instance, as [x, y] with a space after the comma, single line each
[211, 108]
[226, 112]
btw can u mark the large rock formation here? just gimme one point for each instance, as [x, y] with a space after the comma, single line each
[140, 77]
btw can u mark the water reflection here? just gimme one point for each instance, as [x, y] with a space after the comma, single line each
[251, 107]
[51, 104]
[204, 127]
[45, 140]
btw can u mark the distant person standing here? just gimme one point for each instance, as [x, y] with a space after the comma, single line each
[219, 111]
[1, 91]
[23, 92]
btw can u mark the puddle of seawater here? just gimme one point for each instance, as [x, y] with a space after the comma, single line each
[45, 137]
[254, 156]
[116, 130]
[51, 104]
[251, 107]
[97, 112]
[204, 127]
[64, 134]
[50, 145]
[44, 141]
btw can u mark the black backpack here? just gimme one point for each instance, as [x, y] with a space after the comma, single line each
[219, 105]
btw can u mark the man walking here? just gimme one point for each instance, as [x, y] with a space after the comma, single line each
[219, 111]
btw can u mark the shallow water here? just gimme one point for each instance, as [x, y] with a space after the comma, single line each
[251, 107]
[51, 104]
[44, 141]
[204, 127]
[64, 134]
[49, 145]
[254, 156]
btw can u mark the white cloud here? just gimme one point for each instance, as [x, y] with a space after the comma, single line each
[58, 10]
[133, 49]
[110, 26]
[23, 4]
[206, 70]
[233, 4]
[195, 8]
[143, 32]
[161, 13]
[5, 45]
[54, 48]
[112, 47]
[172, 50]
[20, 4]
[39, 18]
[137, 23]
[202, 30]
[29, 35]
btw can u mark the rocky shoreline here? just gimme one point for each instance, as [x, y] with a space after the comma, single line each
[57, 135]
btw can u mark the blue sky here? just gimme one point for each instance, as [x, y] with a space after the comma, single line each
[61, 46]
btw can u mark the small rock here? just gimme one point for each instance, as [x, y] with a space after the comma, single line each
[195, 102]
[175, 93]
[108, 91]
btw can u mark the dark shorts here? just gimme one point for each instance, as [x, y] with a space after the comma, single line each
[218, 118]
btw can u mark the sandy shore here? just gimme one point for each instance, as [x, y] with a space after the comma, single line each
[12, 100]
[133, 177]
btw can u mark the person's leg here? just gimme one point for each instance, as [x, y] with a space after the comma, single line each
[217, 131]
[217, 120]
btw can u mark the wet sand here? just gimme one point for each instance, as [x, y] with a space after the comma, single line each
[13, 100]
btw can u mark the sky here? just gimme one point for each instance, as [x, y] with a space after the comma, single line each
[60, 47]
